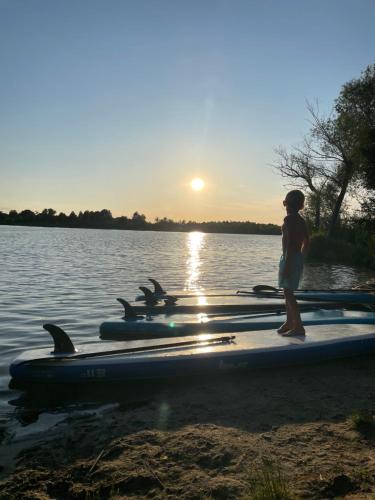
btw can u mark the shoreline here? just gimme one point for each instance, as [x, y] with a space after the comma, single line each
[155, 230]
[210, 439]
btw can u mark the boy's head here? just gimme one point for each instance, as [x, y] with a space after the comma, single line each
[294, 200]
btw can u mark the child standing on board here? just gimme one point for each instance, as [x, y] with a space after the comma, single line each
[295, 243]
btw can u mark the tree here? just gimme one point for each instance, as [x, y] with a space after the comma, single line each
[138, 220]
[305, 174]
[338, 151]
[356, 107]
[26, 216]
[138, 217]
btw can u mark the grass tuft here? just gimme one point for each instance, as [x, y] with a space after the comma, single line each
[268, 483]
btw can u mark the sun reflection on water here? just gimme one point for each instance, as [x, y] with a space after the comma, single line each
[195, 242]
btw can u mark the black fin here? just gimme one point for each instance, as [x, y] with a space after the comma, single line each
[63, 344]
[158, 289]
[149, 296]
[170, 300]
[265, 288]
[129, 310]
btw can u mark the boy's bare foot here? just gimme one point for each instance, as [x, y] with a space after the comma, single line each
[295, 332]
[284, 328]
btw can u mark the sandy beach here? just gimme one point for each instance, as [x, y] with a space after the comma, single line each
[213, 438]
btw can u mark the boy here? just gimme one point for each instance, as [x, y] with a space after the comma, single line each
[295, 242]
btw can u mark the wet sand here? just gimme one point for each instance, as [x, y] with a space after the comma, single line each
[209, 439]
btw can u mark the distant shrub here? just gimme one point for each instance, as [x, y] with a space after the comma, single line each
[363, 422]
[358, 250]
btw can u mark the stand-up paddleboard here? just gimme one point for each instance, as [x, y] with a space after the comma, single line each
[214, 307]
[148, 328]
[99, 362]
[353, 295]
[262, 297]
[212, 304]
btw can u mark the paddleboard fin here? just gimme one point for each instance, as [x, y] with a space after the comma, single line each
[129, 310]
[149, 296]
[63, 344]
[170, 300]
[152, 298]
[158, 289]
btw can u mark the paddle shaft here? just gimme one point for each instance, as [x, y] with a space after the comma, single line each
[145, 348]
[330, 297]
[248, 292]
[319, 290]
[260, 313]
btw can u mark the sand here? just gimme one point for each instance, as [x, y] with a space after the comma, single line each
[211, 438]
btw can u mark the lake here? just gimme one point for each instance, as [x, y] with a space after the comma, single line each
[72, 277]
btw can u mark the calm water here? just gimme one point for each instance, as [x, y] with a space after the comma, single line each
[72, 277]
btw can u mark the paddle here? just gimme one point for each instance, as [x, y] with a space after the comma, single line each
[218, 340]
[340, 297]
[58, 333]
[267, 312]
[271, 289]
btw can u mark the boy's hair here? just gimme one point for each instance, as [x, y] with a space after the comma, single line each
[295, 199]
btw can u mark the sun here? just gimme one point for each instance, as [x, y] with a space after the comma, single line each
[197, 184]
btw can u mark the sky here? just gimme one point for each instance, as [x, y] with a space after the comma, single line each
[119, 104]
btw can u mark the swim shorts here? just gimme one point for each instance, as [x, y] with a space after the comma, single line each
[296, 269]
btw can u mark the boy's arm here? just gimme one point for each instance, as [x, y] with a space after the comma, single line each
[306, 242]
[288, 232]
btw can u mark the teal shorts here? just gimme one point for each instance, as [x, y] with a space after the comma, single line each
[296, 269]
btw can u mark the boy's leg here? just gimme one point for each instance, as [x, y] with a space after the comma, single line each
[288, 323]
[294, 314]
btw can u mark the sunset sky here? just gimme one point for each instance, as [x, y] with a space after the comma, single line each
[119, 104]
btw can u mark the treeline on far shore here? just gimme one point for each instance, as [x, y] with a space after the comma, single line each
[103, 219]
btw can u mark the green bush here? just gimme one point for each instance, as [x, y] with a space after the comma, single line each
[357, 248]
[363, 422]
